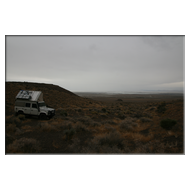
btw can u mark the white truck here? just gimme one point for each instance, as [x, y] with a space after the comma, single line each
[31, 103]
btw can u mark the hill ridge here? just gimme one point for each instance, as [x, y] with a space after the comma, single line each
[38, 85]
[53, 95]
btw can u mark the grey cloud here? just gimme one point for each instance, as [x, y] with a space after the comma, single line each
[96, 63]
[163, 42]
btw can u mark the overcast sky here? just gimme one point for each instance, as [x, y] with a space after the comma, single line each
[98, 63]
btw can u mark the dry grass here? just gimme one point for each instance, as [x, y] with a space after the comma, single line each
[145, 119]
[108, 143]
[128, 125]
[156, 147]
[172, 133]
[24, 145]
[11, 128]
[56, 145]
[27, 128]
[142, 138]
[68, 134]
[48, 127]
[109, 128]
[13, 120]
[79, 127]
[21, 117]
[87, 126]
[86, 120]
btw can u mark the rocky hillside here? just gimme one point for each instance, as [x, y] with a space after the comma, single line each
[53, 95]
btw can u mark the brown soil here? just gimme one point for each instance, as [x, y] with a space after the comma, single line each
[123, 124]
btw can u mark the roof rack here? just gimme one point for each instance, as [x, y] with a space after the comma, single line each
[30, 95]
[24, 94]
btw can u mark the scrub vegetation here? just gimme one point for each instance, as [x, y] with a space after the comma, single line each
[95, 126]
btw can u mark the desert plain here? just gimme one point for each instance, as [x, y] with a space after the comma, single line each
[96, 123]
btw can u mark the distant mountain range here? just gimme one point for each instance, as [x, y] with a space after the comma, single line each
[136, 92]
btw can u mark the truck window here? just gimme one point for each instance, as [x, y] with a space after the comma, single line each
[28, 105]
[34, 106]
[18, 103]
[42, 104]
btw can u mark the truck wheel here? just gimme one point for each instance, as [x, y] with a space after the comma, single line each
[43, 116]
[20, 113]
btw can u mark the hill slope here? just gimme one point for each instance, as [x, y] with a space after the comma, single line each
[53, 95]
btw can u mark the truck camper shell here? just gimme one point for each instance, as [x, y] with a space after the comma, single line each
[35, 96]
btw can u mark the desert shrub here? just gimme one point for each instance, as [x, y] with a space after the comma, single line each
[11, 128]
[104, 110]
[79, 127]
[28, 128]
[69, 133]
[142, 148]
[104, 149]
[167, 123]
[161, 108]
[145, 119]
[152, 108]
[85, 120]
[157, 147]
[110, 128]
[18, 131]
[111, 139]
[145, 131]
[93, 147]
[18, 122]
[111, 122]
[147, 115]
[48, 127]
[128, 124]
[65, 125]
[110, 150]
[9, 139]
[137, 114]
[129, 112]
[121, 115]
[88, 121]
[9, 119]
[103, 115]
[13, 120]
[95, 124]
[24, 145]
[142, 138]
[21, 117]
[71, 119]
[94, 112]
[62, 112]
[58, 110]
[74, 147]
